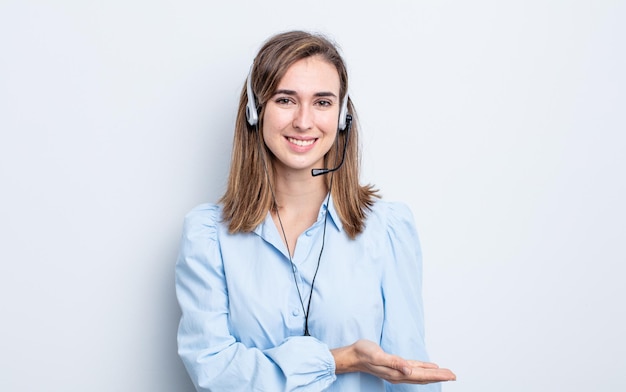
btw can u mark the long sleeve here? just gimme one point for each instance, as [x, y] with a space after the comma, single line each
[403, 326]
[213, 357]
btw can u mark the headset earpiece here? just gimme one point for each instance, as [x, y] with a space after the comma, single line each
[251, 112]
[343, 114]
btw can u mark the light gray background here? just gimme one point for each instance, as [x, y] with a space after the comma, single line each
[500, 123]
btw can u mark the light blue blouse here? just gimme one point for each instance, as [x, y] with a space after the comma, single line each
[242, 320]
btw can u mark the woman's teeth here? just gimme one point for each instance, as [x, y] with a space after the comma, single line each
[301, 143]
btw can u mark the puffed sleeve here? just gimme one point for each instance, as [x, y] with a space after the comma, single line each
[213, 358]
[403, 326]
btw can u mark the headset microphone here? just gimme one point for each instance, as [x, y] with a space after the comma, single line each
[348, 125]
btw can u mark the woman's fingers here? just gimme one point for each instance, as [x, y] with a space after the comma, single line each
[421, 373]
[426, 365]
[427, 375]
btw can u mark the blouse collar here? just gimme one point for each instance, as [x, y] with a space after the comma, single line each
[327, 205]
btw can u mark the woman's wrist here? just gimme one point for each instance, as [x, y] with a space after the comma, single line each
[345, 359]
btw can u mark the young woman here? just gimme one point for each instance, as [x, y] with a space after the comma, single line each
[301, 278]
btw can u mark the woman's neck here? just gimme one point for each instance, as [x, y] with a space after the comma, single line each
[298, 200]
[299, 191]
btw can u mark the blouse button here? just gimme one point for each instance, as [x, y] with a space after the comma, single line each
[309, 233]
[295, 312]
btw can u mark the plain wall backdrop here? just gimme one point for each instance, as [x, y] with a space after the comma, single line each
[501, 123]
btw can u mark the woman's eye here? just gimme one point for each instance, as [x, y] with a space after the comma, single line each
[283, 101]
[324, 103]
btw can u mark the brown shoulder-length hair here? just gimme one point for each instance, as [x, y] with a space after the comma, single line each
[248, 196]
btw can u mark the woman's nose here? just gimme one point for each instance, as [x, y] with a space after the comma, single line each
[303, 118]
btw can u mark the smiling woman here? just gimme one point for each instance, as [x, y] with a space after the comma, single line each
[301, 278]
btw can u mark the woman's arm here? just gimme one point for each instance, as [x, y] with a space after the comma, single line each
[214, 359]
[400, 356]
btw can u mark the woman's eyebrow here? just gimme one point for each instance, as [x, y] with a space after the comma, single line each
[286, 92]
[319, 94]
[325, 94]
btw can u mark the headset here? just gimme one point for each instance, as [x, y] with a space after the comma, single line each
[252, 115]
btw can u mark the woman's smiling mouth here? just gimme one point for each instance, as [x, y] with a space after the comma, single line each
[301, 143]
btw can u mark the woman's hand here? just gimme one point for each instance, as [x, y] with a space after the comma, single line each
[367, 356]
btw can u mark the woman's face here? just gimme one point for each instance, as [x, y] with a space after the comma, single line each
[300, 120]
